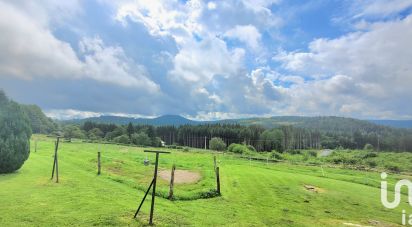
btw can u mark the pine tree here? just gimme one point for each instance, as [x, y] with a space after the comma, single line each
[15, 133]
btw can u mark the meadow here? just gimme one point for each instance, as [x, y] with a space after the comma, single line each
[253, 193]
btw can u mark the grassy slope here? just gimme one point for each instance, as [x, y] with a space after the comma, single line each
[254, 194]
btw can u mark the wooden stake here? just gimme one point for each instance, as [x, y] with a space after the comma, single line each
[35, 146]
[217, 180]
[214, 161]
[154, 187]
[172, 180]
[323, 173]
[55, 162]
[98, 163]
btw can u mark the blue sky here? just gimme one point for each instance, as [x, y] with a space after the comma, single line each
[209, 59]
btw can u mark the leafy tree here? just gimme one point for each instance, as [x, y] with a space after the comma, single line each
[95, 134]
[368, 146]
[217, 144]
[15, 133]
[141, 139]
[124, 139]
[157, 142]
[72, 131]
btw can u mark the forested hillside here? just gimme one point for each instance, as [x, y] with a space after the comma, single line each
[326, 134]
[39, 122]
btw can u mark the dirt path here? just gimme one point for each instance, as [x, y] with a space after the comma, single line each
[181, 176]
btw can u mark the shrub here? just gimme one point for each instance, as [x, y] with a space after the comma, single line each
[351, 161]
[313, 153]
[293, 152]
[217, 144]
[15, 133]
[141, 139]
[251, 148]
[186, 149]
[157, 142]
[370, 155]
[368, 147]
[371, 163]
[276, 155]
[338, 159]
[122, 139]
[393, 168]
[239, 148]
[231, 146]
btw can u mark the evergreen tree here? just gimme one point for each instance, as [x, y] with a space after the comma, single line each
[130, 130]
[15, 133]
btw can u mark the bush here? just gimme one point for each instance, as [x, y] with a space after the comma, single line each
[141, 139]
[370, 155]
[276, 155]
[124, 139]
[15, 133]
[186, 149]
[393, 168]
[371, 163]
[238, 148]
[217, 144]
[313, 153]
[157, 142]
[368, 147]
[231, 146]
[251, 148]
[293, 152]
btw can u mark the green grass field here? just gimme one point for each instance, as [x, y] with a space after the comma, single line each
[253, 193]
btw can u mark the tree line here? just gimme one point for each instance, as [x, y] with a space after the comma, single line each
[281, 138]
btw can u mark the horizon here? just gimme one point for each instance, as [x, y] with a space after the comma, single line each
[205, 120]
[209, 60]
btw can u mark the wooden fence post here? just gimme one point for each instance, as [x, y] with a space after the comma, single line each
[55, 161]
[98, 163]
[214, 161]
[35, 146]
[172, 180]
[217, 180]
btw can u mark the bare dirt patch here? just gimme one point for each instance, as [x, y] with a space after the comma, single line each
[312, 188]
[181, 176]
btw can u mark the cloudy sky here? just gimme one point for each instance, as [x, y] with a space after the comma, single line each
[209, 59]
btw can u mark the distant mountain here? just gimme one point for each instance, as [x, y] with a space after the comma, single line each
[394, 123]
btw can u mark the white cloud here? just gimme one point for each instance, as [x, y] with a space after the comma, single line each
[201, 61]
[370, 69]
[67, 114]
[110, 64]
[379, 8]
[30, 50]
[211, 5]
[247, 34]
[161, 18]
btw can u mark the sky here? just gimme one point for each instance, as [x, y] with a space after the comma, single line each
[209, 60]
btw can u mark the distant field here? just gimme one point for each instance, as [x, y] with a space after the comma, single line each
[253, 193]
